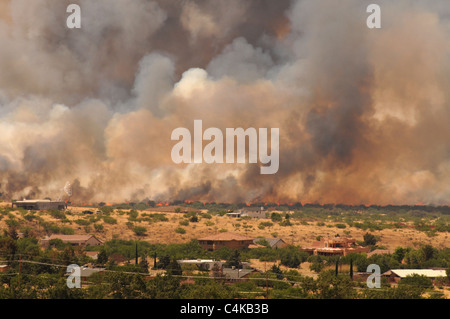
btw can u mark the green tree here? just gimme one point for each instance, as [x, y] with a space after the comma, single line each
[331, 286]
[399, 254]
[369, 239]
[416, 280]
[276, 217]
[174, 268]
[234, 260]
[102, 257]
[143, 263]
[277, 271]
[163, 262]
[428, 252]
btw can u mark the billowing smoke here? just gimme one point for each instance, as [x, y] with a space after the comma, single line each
[363, 113]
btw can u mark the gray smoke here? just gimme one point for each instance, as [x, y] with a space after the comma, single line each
[363, 114]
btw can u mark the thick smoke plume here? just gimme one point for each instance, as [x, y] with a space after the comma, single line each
[363, 113]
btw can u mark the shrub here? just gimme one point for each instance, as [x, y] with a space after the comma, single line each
[285, 222]
[276, 217]
[180, 230]
[82, 222]
[67, 231]
[262, 225]
[107, 209]
[109, 220]
[140, 231]
[98, 227]
[417, 281]
[57, 214]
[193, 219]
[184, 223]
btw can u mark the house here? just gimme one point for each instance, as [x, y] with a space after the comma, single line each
[234, 274]
[39, 204]
[229, 240]
[203, 264]
[4, 268]
[337, 246]
[273, 242]
[92, 254]
[75, 240]
[87, 271]
[253, 212]
[234, 214]
[395, 275]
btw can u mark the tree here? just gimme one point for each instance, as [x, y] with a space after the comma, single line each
[277, 271]
[337, 267]
[351, 269]
[102, 257]
[417, 281]
[276, 217]
[163, 262]
[12, 232]
[234, 260]
[399, 254]
[369, 240]
[144, 263]
[334, 287]
[174, 268]
[428, 252]
[163, 287]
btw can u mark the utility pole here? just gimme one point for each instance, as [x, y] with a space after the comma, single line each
[20, 268]
[136, 253]
[267, 281]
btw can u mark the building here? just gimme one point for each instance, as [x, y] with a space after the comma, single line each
[395, 275]
[87, 271]
[337, 246]
[234, 214]
[75, 240]
[234, 274]
[203, 264]
[273, 242]
[229, 240]
[4, 268]
[92, 254]
[253, 212]
[39, 204]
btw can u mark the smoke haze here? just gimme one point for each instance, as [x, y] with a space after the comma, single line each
[363, 113]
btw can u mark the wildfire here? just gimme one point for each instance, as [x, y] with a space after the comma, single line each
[162, 204]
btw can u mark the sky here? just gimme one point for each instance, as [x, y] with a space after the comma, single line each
[363, 114]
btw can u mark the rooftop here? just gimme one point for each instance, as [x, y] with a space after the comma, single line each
[69, 237]
[432, 273]
[37, 201]
[225, 237]
[231, 273]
